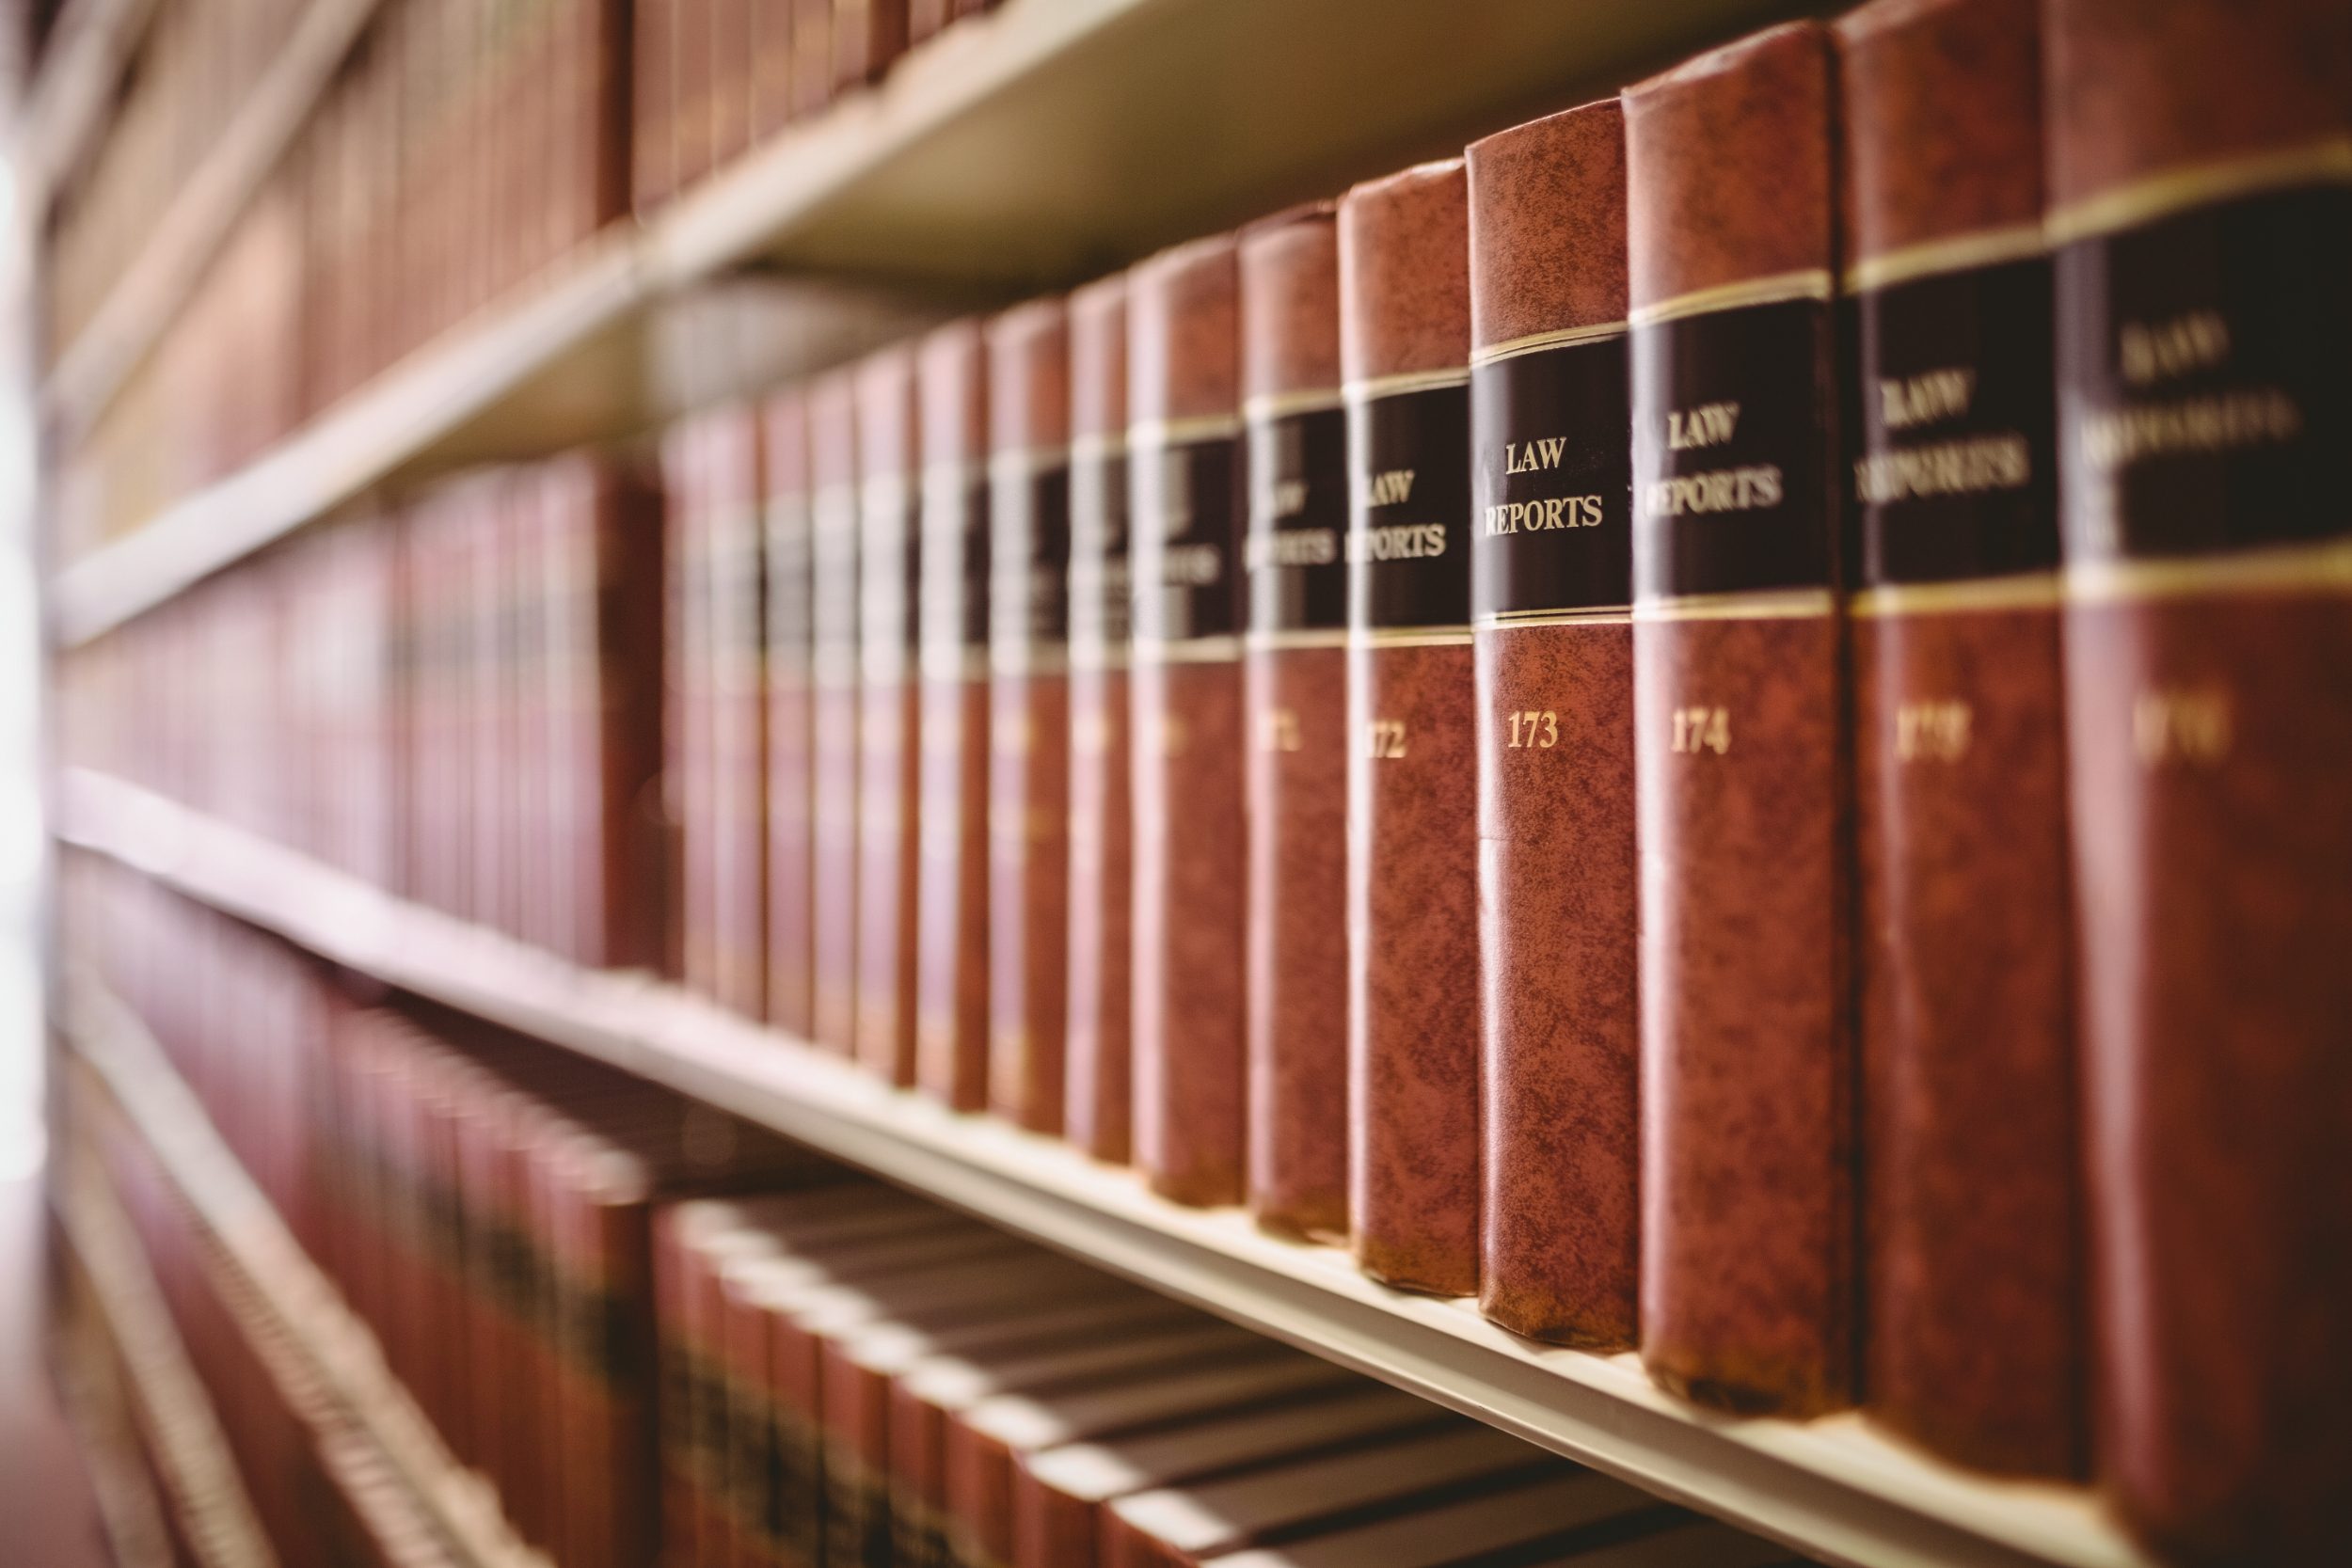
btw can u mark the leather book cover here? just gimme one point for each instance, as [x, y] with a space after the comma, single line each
[787, 569]
[1551, 586]
[1295, 722]
[1185, 735]
[2199, 162]
[1030, 762]
[687, 719]
[835, 711]
[889, 581]
[769, 108]
[738, 884]
[1097, 1110]
[867, 35]
[951, 933]
[1971, 1232]
[1740, 746]
[812, 56]
[1412, 768]
[694, 65]
[633, 862]
[652, 103]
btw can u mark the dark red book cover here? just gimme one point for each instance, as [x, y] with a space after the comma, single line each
[1740, 745]
[1029, 761]
[634, 854]
[812, 56]
[1551, 584]
[738, 759]
[1295, 722]
[834, 710]
[788, 566]
[1099, 1091]
[2198, 164]
[1184, 499]
[1971, 1234]
[1412, 765]
[652, 99]
[867, 35]
[889, 808]
[951, 956]
[688, 699]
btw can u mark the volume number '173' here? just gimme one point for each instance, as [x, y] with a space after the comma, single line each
[1532, 728]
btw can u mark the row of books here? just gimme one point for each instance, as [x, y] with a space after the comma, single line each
[461, 149]
[1813, 853]
[818, 1370]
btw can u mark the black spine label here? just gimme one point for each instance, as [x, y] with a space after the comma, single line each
[1185, 544]
[1409, 507]
[1551, 481]
[889, 574]
[1296, 554]
[1955, 414]
[1029, 582]
[954, 568]
[2205, 405]
[1100, 595]
[1731, 420]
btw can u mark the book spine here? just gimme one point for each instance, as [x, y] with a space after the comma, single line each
[686, 775]
[1551, 584]
[1412, 778]
[1970, 1224]
[812, 56]
[634, 849]
[889, 700]
[835, 711]
[787, 567]
[2199, 162]
[1747, 1237]
[738, 728]
[1097, 1113]
[867, 35]
[1295, 722]
[1029, 761]
[951, 945]
[1186, 503]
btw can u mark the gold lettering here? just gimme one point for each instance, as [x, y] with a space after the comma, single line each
[2182, 725]
[1385, 738]
[1391, 488]
[1277, 730]
[1931, 730]
[1542, 729]
[1962, 467]
[1702, 729]
[2150, 352]
[1723, 490]
[1926, 399]
[1711, 424]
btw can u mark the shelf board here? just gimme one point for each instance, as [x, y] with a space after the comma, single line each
[1034, 147]
[1835, 1488]
[421, 1507]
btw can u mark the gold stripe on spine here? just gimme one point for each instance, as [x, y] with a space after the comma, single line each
[1184, 432]
[1771, 604]
[1535, 342]
[1599, 615]
[1811, 284]
[1986, 248]
[2289, 570]
[1186, 650]
[1410, 637]
[1094, 449]
[1301, 637]
[2327, 162]
[1407, 381]
[2024, 591]
[1284, 406]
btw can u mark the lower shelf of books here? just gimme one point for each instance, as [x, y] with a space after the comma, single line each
[1834, 1488]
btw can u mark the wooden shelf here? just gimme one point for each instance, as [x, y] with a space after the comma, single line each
[403, 1484]
[1835, 1488]
[1035, 147]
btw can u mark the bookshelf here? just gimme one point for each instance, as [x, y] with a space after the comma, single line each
[1833, 1488]
[950, 183]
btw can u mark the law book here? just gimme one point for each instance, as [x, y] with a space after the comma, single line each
[1970, 1225]
[1294, 720]
[835, 711]
[629, 868]
[1059, 1494]
[787, 566]
[1029, 758]
[738, 612]
[1185, 731]
[652, 98]
[1412, 815]
[1180, 1525]
[1532, 1527]
[812, 56]
[2199, 156]
[889, 779]
[867, 35]
[1551, 590]
[1747, 1097]
[1097, 1113]
[689, 782]
[951, 927]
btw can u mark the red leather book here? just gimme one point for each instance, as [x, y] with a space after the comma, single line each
[693, 67]
[1185, 739]
[951, 897]
[834, 710]
[787, 567]
[687, 782]
[631, 867]
[652, 98]
[867, 35]
[889, 706]
[812, 56]
[1028, 782]
[1295, 722]
[738, 887]
[1971, 1236]
[1552, 582]
[1099, 1091]
[770, 70]
[1747, 1097]
[1412, 770]
[2198, 155]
